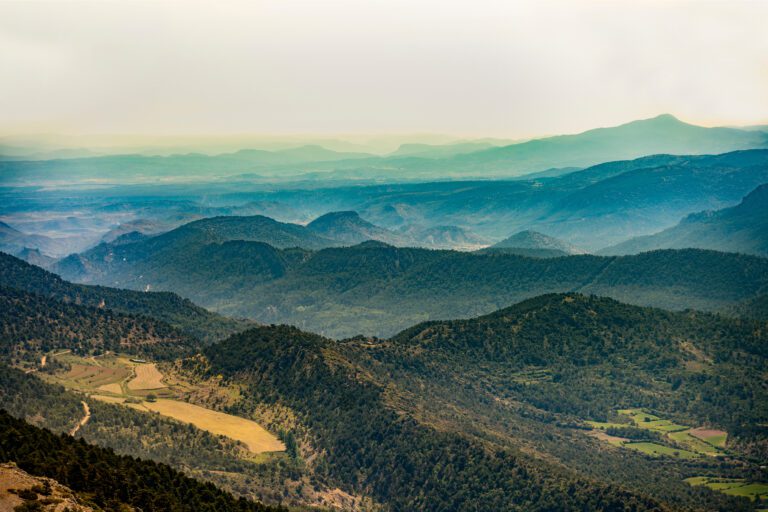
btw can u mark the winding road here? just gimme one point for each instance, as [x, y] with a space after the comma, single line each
[87, 411]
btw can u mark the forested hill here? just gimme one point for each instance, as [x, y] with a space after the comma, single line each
[440, 416]
[368, 447]
[376, 289]
[31, 325]
[655, 358]
[167, 307]
[107, 480]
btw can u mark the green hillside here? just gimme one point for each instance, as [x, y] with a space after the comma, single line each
[377, 289]
[167, 307]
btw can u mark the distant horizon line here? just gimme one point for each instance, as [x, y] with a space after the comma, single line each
[52, 132]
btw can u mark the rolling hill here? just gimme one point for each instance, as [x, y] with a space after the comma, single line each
[374, 288]
[32, 325]
[441, 414]
[349, 228]
[514, 389]
[532, 243]
[662, 134]
[591, 208]
[14, 241]
[166, 307]
[742, 228]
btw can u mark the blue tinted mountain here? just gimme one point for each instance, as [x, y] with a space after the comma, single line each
[741, 228]
[533, 243]
[349, 228]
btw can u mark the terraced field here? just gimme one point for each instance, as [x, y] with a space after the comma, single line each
[656, 450]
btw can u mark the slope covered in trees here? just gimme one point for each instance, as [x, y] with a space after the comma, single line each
[376, 289]
[402, 416]
[405, 464]
[35, 324]
[167, 307]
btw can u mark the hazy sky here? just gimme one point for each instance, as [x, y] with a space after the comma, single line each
[478, 68]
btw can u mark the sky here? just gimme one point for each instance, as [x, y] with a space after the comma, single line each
[479, 68]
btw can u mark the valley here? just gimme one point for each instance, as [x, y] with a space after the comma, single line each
[402, 256]
[484, 344]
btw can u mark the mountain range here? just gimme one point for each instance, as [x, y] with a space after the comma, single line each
[374, 288]
[435, 417]
[662, 134]
[167, 307]
[742, 228]
[570, 323]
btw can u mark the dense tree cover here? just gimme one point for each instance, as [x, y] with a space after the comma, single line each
[109, 479]
[601, 355]
[32, 323]
[445, 415]
[753, 308]
[523, 377]
[376, 289]
[370, 448]
[167, 307]
[43, 404]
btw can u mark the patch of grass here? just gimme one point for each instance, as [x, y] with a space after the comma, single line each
[751, 491]
[693, 443]
[732, 486]
[603, 425]
[658, 450]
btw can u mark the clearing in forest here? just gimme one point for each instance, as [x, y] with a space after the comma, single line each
[147, 377]
[94, 376]
[732, 486]
[656, 450]
[714, 437]
[253, 435]
[685, 442]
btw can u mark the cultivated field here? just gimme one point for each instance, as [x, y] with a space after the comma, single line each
[685, 442]
[92, 376]
[115, 388]
[147, 377]
[656, 450]
[714, 437]
[732, 486]
[249, 432]
[116, 379]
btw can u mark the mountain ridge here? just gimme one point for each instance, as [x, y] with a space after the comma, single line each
[742, 228]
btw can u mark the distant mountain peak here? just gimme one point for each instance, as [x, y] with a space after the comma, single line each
[348, 227]
[665, 117]
[529, 239]
[340, 215]
[374, 244]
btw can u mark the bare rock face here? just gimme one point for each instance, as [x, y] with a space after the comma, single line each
[17, 488]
